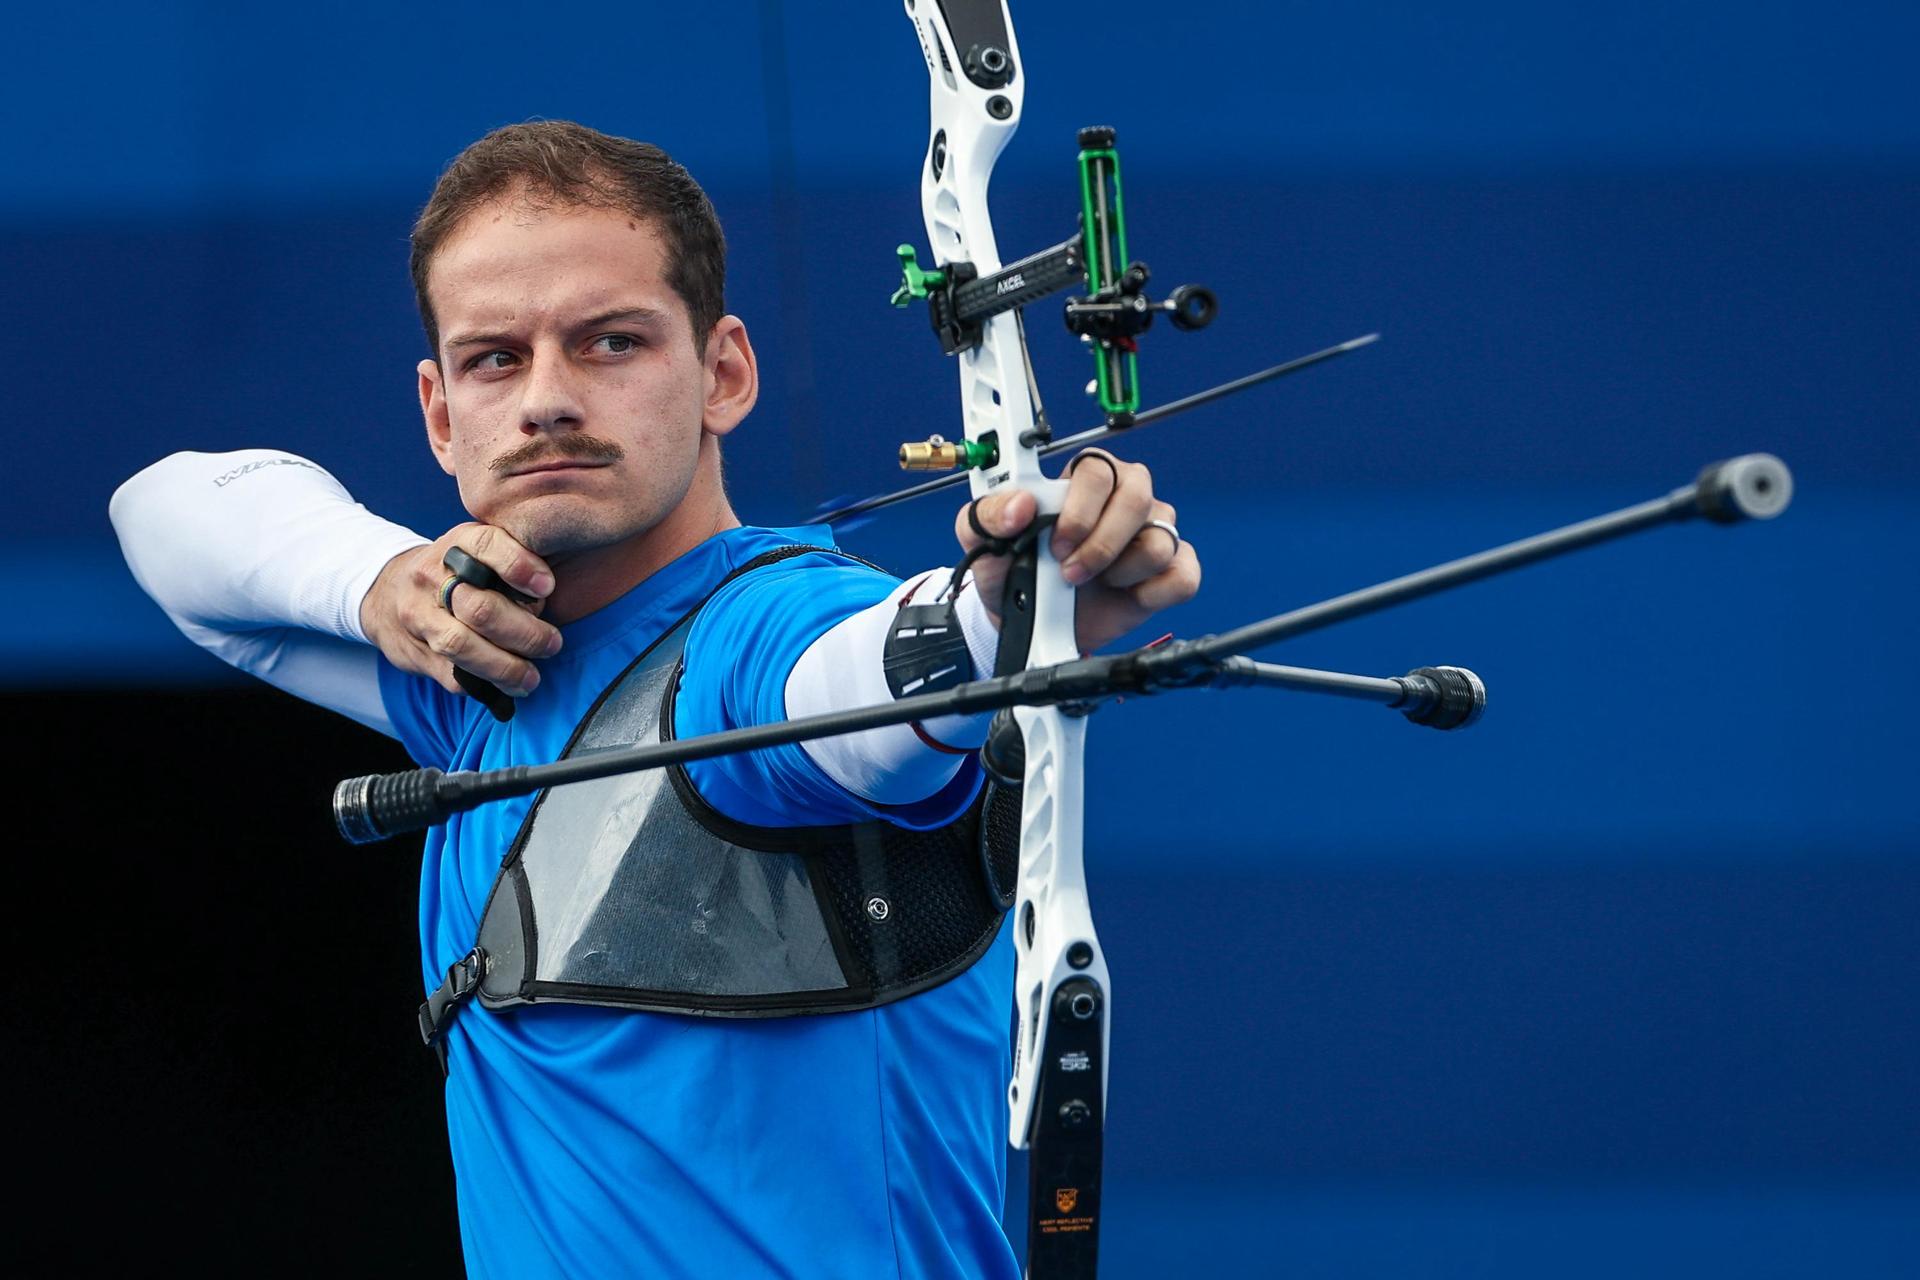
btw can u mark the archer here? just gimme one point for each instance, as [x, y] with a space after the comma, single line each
[583, 376]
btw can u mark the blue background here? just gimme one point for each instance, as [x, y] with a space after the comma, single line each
[1622, 980]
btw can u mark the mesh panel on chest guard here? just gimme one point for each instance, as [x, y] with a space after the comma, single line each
[633, 892]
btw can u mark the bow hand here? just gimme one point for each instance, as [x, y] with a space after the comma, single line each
[1115, 541]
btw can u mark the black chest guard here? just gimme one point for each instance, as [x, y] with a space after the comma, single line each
[633, 892]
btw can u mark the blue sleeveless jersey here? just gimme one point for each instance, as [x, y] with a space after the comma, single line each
[594, 1142]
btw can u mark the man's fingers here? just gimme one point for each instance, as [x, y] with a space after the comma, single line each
[1104, 508]
[508, 625]
[1176, 584]
[494, 547]
[444, 624]
[466, 648]
[1002, 515]
[1151, 553]
[419, 630]
[1111, 536]
[1092, 479]
[1104, 613]
[421, 660]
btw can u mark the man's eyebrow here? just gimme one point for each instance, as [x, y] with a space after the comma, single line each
[641, 315]
[645, 315]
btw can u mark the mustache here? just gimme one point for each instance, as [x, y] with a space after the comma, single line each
[570, 448]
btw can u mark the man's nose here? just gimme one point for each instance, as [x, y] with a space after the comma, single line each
[550, 396]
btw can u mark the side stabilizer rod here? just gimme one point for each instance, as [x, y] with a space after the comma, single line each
[1437, 697]
[377, 806]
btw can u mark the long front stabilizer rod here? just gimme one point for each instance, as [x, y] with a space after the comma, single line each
[1754, 486]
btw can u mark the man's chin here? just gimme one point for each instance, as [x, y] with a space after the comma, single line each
[550, 529]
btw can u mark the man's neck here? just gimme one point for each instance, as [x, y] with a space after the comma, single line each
[587, 581]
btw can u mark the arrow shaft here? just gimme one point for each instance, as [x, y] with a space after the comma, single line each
[1093, 435]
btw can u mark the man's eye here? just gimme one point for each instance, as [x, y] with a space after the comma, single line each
[618, 344]
[492, 360]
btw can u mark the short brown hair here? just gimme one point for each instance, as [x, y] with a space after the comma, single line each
[557, 162]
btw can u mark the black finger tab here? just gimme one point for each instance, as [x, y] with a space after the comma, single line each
[473, 571]
[485, 693]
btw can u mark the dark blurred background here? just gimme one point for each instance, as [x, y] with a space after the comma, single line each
[1620, 982]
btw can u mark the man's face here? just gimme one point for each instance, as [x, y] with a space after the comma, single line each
[569, 401]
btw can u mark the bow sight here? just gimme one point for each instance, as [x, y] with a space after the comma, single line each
[1110, 318]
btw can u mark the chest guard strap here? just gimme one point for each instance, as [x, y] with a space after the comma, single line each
[633, 892]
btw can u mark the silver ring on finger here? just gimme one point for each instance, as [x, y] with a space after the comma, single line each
[1169, 527]
[454, 580]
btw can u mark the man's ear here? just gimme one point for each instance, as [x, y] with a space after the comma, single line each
[733, 376]
[433, 407]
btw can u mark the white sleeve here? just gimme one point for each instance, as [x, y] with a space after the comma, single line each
[843, 670]
[262, 558]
